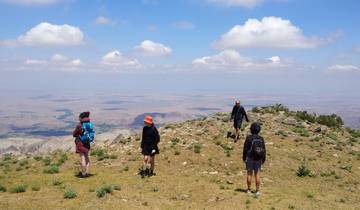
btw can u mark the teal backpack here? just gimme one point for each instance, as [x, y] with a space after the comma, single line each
[88, 134]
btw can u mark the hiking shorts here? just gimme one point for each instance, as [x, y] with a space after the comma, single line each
[82, 147]
[253, 165]
[237, 123]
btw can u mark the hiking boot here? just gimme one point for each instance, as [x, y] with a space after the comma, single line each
[248, 191]
[257, 194]
[142, 173]
[152, 173]
[82, 176]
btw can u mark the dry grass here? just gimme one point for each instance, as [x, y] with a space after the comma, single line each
[207, 178]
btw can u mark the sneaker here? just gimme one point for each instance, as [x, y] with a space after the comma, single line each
[257, 194]
[151, 173]
[248, 191]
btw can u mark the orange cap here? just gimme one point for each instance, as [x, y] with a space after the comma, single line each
[148, 119]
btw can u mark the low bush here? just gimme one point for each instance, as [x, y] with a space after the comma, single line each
[2, 188]
[303, 171]
[197, 148]
[69, 193]
[46, 161]
[35, 188]
[52, 169]
[23, 162]
[37, 158]
[57, 182]
[330, 120]
[18, 188]
[104, 189]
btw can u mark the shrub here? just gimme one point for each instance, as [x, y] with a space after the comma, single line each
[354, 133]
[100, 154]
[62, 159]
[57, 182]
[23, 162]
[7, 157]
[69, 193]
[126, 168]
[304, 115]
[174, 141]
[281, 133]
[37, 158]
[256, 109]
[2, 188]
[346, 167]
[330, 120]
[18, 188]
[104, 189]
[197, 148]
[52, 169]
[177, 152]
[303, 171]
[46, 161]
[113, 156]
[35, 188]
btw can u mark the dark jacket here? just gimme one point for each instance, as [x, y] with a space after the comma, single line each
[238, 113]
[247, 146]
[150, 139]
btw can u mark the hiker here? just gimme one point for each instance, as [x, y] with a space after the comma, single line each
[254, 155]
[237, 114]
[84, 135]
[149, 146]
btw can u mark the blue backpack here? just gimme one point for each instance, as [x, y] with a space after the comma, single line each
[88, 134]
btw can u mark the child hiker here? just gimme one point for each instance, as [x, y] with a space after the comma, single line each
[84, 134]
[254, 155]
[149, 146]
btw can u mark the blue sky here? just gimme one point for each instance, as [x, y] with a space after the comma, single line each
[206, 42]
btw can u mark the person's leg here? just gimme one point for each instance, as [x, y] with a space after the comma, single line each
[152, 164]
[87, 161]
[248, 179]
[257, 178]
[145, 162]
[83, 164]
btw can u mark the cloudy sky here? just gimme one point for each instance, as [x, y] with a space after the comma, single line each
[245, 45]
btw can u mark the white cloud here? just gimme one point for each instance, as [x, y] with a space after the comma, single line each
[59, 58]
[101, 20]
[32, 2]
[35, 62]
[46, 34]
[231, 60]
[270, 32]
[56, 62]
[117, 60]
[183, 24]
[237, 3]
[150, 48]
[343, 68]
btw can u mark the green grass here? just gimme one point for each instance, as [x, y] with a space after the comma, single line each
[197, 148]
[104, 189]
[35, 188]
[2, 188]
[18, 188]
[46, 161]
[69, 193]
[52, 169]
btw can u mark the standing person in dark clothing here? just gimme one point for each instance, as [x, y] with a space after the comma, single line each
[238, 113]
[254, 155]
[149, 146]
[84, 134]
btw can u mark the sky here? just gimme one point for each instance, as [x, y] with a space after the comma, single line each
[180, 45]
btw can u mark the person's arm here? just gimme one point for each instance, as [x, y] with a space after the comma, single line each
[233, 113]
[244, 113]
[245, 149]
[142, 138]
[154, 139]
[78, 130]
[264, 158]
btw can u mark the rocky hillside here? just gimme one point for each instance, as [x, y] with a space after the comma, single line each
[312, 163]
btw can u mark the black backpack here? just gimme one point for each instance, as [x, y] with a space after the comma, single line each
[257, 150]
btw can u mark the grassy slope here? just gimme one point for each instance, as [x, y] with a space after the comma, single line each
[211, 179]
